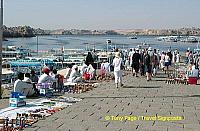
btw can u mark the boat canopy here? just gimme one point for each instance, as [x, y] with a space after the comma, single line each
[29, 63]
[25, 63]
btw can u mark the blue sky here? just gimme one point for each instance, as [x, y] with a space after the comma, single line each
[102, 14]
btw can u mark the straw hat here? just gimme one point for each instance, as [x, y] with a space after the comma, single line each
[117, 54]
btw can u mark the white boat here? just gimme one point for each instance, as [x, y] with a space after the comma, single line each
[7, 75]
[143, 46]
[169, 38]
[190, 39]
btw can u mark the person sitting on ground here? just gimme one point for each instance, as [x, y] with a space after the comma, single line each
[91, 71]
[54, 77]
[33, 77]
[23, 87]
[75, 75]
[45, 78]
[105, 66]
[27, 78]
[192, 70]
[34, 81]
[83, 68]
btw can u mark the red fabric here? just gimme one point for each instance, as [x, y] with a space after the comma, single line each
[86, 76]
[61, 78]
[192, 80]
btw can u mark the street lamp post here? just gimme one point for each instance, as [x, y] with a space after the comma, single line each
[1, 41]
[37, 45]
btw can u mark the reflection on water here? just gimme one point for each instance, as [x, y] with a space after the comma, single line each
[98, 42]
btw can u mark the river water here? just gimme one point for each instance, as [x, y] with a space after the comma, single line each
[97, 42]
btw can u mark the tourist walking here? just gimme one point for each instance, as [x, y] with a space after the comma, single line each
[142, 67]
[162, 61]
[148, 66]
[177, 58]
[155, 62]
[130, 56]
[118, 64]
[136, 62]
[167, 62]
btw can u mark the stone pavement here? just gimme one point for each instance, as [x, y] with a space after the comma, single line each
[137, 98]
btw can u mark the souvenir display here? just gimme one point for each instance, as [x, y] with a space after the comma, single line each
[16, 99]
[15, 118]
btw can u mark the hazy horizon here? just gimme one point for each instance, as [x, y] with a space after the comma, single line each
[102, 14]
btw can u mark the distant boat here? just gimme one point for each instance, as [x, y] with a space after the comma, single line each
[132, 37]
[143, 46]
[190, 39]
[169, 38]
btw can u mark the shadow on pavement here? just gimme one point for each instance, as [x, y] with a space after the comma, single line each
[142, 87]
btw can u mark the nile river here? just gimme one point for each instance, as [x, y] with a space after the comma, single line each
[97, 42]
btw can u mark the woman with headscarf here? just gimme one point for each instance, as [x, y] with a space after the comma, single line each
[148, 66]
[75, 75]
[118, 65]
[89, 59]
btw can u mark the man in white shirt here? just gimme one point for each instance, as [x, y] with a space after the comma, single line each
[23, 87]
[130, 55]
[45, 77]
[27, 78]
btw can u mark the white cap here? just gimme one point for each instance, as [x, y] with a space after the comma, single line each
[149, 49]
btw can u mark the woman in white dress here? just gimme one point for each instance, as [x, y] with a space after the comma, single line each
[117, 63]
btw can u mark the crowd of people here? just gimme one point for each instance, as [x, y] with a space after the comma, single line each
[145, 62]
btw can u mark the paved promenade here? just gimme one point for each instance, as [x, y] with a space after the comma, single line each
[153, 100]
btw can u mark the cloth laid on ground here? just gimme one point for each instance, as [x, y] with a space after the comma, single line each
[62, 102]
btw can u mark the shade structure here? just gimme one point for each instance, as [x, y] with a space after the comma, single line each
[25, 63]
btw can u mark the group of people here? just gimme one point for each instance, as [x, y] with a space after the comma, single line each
[81, 73]
[148, 61]
[143, 61]
[26, 83]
